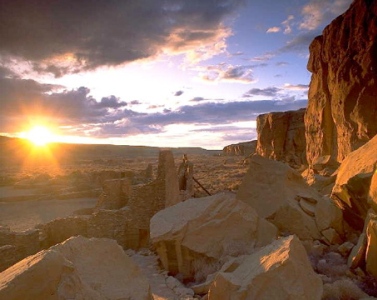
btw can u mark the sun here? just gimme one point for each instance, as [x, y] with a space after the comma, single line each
[39, 135]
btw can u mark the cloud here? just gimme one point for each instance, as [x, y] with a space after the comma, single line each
[135, 102]
[296, 87]
[299, 43]
[273, 30]
[111, 102]
[197, 99]
[76, 112]
[282, 64]
[317, 12]
[287, 24]
[231, 133]
[266, 92]
[227, 73]
[265, 57]
[71, 36]
[178, 93]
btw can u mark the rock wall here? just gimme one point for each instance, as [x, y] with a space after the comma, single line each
[281, 136]
[242, 149]
[17, 245]
[342, 106]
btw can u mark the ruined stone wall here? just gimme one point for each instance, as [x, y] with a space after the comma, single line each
[342, 107]
[129, 225]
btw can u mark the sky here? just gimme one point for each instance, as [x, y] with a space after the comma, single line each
[166, 73]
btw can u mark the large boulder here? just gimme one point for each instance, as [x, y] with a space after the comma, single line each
[280, 270]
[342, 107]
[79, 268]
[281, 136]
[205, 230]
[279, 194]
[352, 185]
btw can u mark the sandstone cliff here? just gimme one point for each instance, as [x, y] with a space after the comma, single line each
[281, 136]
[342, 108]
[245, 148]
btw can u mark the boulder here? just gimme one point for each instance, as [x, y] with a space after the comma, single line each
[342, 104]
[279, 194]
[201, 231]
[244, 149]
[353, 181]
[281, 136]
[280, 270]
[79, 268]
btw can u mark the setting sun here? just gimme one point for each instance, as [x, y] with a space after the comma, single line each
[39, 135]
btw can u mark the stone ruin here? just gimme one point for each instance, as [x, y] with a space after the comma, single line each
[122, 213]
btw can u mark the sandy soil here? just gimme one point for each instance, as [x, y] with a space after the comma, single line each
[23, 215]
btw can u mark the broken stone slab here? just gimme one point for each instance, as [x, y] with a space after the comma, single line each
[200, 231]
[372, 196]
[79, 268]
[357, 255]
[275, 191]
[371, 250]
[328, 215]
[353, 183]
[280, 270]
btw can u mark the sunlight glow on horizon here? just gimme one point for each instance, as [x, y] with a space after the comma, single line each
[39, 135]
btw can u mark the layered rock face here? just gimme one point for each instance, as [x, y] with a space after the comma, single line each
[342, 108]
[281, 136]
[244, 149]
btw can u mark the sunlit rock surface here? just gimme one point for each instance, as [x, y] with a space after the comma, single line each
[245, 148]
[280, 270]
[281, 136]
[279, 194]
[205, 230]
[79, 268]
[353, 181]
[342, 107]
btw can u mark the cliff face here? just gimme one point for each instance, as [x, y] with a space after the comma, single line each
[244, 149]
[281, 136]
[342, 107]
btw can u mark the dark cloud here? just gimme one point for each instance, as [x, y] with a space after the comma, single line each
[266, 92]
[111, 102]
[135, 102]
[70, 35]
[110, 116]
[225, 72]
[300, 43]
[218, 113]
[178, 93]
[197, 99]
